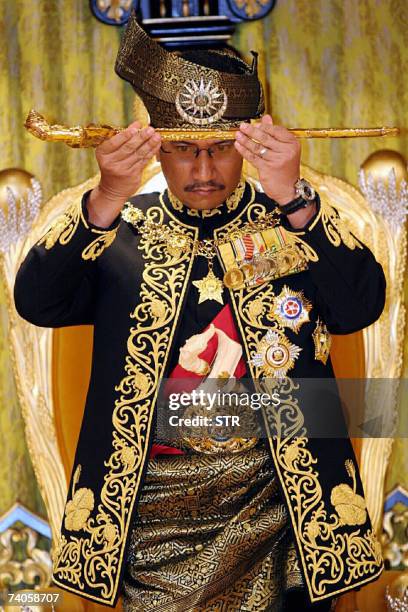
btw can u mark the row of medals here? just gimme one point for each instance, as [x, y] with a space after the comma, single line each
[253, 272]
[260, 268]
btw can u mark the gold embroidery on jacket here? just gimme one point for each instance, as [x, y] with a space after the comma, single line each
[79, 507]
[91, 562]
[349, 506]
[63, 228]
[330, 554]
[335, 228]
[307, 252]
[236, 196]
[97, 247]
[231, 203]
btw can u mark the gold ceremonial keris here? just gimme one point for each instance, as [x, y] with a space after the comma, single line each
[77, 137]
[182, 134]
[92, 135]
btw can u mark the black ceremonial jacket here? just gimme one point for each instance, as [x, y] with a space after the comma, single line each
[135, 291]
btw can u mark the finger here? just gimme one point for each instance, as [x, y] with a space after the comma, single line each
[140, 163]
[283, 135]
[253, 134]
[134, 144]
[280, 133]
[150, 148]
[263, 141]
[136, 125]
[277, 138]
[114, 143]
[257, 160]
[247, 154]
[267, 120]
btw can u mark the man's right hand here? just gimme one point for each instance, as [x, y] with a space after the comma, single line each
[121, 160]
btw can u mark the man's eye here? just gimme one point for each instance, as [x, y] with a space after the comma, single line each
[183, 148]
[224, 146]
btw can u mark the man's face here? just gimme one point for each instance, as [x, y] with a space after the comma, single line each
[201, 179]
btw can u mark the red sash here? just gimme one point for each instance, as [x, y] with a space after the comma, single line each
[225, 322]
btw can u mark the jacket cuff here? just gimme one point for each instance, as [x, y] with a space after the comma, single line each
[309, 225]
[85, 216]
[324, 233]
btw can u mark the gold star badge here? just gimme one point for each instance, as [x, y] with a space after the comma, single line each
[209, 288]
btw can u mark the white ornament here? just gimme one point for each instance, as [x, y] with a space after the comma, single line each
[385, 198]
[17, 221]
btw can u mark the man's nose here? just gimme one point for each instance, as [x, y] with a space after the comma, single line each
[203, 168]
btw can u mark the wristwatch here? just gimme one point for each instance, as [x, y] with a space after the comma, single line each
[304, 189]
[305, 195]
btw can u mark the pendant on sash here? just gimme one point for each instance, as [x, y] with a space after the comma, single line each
[291, 308]
[322, 341]
[275, 354]
[210, 287]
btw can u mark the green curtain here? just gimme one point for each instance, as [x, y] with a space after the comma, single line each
[57, 58]
[335, 63]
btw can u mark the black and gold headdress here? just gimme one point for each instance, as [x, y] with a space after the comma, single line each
[182, 94]
[191, 95]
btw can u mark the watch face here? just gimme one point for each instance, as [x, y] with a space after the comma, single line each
[304, 189]
[308, 191]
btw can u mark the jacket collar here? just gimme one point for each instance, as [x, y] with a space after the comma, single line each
[224, 214]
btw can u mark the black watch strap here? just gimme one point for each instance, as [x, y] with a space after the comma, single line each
[294, 205]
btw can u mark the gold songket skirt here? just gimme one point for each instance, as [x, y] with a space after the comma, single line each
[211, 534]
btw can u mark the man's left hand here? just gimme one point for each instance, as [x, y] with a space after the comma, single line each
[275, 154]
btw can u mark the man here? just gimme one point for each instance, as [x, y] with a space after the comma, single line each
[210, 277]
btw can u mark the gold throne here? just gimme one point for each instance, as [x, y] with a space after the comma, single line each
[52, 366]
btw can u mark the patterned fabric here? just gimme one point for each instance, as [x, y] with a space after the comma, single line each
[166, 81]
[212, 534]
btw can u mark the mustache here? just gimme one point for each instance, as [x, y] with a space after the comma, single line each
[207, 185]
